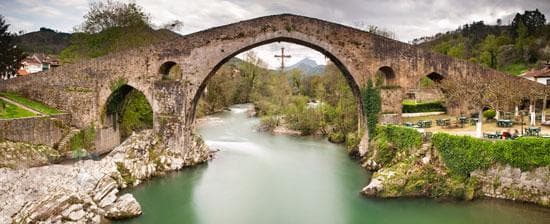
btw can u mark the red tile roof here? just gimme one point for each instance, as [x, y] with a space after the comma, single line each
[545, 72]
[22, 72]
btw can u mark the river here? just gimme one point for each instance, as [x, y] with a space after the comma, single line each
[258, 178]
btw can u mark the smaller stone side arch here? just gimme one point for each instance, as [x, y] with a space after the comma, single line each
[170, 70]
[108, 133]
[386, 76]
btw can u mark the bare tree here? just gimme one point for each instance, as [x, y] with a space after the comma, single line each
[477, 91]
[535, 92]
[381, 31]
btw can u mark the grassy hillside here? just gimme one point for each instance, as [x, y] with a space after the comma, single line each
[84, 45]
[512, 48]
[44, 41]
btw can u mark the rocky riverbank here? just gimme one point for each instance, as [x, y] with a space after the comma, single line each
[418, 170]
[18, 155]
[88, 191]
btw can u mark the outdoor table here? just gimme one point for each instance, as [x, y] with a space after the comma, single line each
[409, 124]
[491, 135]
[443, 122]
[532, 131]
[424, 124]
[427, 124]
[504, 123]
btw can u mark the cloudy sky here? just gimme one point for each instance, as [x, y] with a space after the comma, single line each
[408, 19]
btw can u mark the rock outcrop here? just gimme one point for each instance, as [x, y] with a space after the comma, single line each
[507, 182]
[421, 172]
[87, 191]
[24, 155]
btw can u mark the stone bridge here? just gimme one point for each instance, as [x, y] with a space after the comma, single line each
[83, 88]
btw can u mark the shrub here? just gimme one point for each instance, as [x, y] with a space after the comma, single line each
[464, 154]
[84, 140]
[489, 114]
[402, 138]
[412, 107]
[336, 137]
[352, 141]
[392, 139]
[269, 123]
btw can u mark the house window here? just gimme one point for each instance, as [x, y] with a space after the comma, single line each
[548, 82]
[45, 67]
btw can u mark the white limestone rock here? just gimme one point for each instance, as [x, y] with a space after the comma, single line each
[126, 206]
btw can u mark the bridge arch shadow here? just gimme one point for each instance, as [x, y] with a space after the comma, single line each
[125, 110]
[355, 88]
[436, 77]
[170, 71]
[386, 76]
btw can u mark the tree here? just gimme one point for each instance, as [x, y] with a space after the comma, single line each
[10, 55]
[476, 91]
[489, 48]
[103, 15]
[250, 70]
[534, 21]
[381, 31]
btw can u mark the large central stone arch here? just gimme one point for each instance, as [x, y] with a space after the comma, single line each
[319, 46]
[82, 88]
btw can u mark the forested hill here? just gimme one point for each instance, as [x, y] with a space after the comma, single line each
[512, 48]
[44, 41]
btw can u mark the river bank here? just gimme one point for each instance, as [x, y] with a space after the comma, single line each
[414, 166]
[88, 191]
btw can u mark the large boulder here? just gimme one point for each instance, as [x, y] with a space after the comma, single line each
[126, 206]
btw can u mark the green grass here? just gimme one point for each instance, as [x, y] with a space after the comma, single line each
[12, 111]
[31, 104]
[516, 69]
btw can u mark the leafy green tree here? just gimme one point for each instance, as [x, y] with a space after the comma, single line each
[10, 55]
[107, 14]
[457, 51]
[250, 70]
[489, 48]
[534, 22]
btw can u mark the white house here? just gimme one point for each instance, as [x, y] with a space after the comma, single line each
[37, 63]
[541, 76]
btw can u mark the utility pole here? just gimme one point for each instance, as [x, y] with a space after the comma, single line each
[283, 56]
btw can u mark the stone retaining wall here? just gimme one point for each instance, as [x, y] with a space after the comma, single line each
[44, 130]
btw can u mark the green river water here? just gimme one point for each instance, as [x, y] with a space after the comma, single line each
[261, 178]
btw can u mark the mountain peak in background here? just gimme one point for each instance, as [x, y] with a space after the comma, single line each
[308, 67]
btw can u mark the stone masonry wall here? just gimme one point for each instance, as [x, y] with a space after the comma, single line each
[45, 130]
